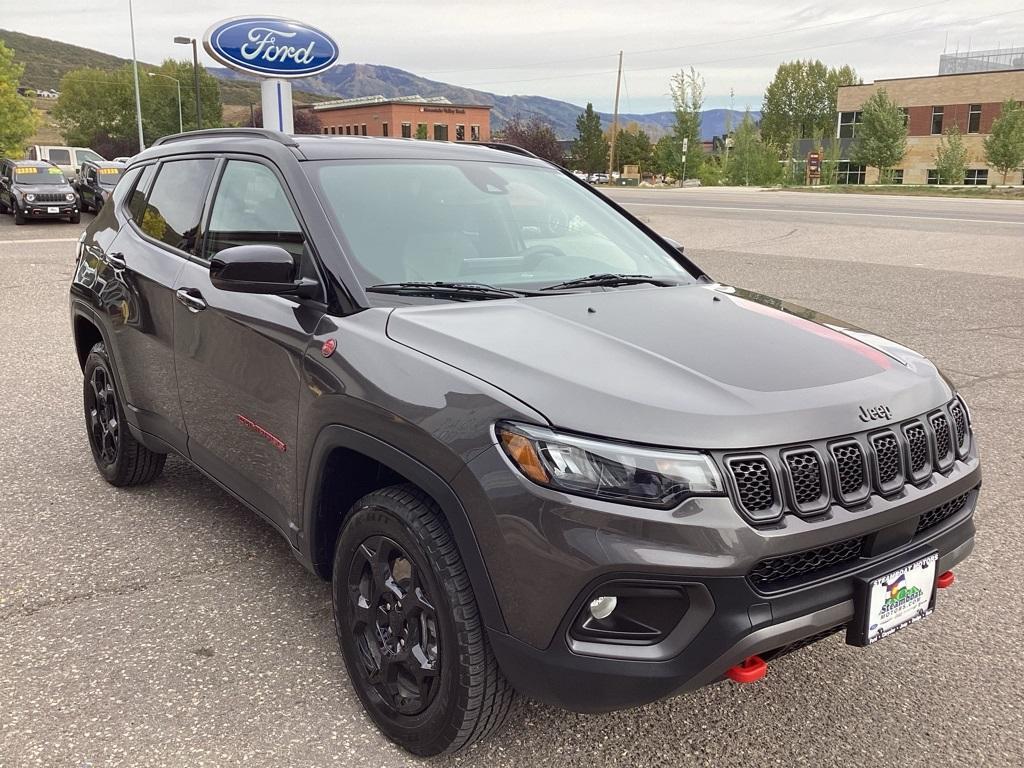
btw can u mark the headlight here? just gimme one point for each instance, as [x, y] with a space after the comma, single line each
[69, 196]
[607, 470]
[29, 197]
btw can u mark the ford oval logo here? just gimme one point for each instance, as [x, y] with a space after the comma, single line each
[270, 46]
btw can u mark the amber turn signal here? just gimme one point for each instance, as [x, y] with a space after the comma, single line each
[525, 456]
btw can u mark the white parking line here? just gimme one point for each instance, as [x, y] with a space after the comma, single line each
[822, 213]
[41, 240]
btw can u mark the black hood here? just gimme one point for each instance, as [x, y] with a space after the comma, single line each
[42, 189]
[703, 366]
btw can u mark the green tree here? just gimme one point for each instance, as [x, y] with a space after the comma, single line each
[534, 135]
[633, 147]
[687, 90]
[590, 149]
[96, 103]
[882, 135]
[951, 157]
[1004, 147]
[800, 101]
[752, 161]
[421, 131]
[666, 156]
[18, 120]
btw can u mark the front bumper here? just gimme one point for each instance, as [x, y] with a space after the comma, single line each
[44, 210]
[730, 621]
[547, 552]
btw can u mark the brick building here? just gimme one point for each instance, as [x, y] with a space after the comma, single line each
[972, 101]
[403, 116]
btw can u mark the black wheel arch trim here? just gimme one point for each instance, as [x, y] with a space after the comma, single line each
[339, 436]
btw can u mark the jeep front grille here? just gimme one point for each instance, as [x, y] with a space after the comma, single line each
[917, 444]
[773, 571]
[51, 197]
[754, 484]
[943, 440]
[935, 516]
[806, 479]
[960, 425]
[888, 462]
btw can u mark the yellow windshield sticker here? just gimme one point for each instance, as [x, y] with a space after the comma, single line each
[109, 171]
[30, 169]
[54, 171]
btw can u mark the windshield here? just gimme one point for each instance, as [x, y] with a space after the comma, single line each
[501, 224]
[108, 176]
[84, 155]
[34, 175]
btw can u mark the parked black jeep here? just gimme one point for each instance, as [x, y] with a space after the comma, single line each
[96, 180]
[554, 459]
[31, 189]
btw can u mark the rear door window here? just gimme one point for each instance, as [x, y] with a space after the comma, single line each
[174, 208]
[251, 208]
[137, 201]
[60, 156]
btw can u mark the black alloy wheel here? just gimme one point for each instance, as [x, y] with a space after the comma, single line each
[101, 410]
[395, 626]
[119, 457]
[410, 632]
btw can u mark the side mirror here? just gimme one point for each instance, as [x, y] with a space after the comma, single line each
[677, 246]
[257, 269]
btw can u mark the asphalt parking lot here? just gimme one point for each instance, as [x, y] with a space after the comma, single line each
[168, 626]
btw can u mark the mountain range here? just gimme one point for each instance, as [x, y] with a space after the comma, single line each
[347, 81]
[47, 61]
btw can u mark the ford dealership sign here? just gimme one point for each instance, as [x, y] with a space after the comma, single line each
[270, 46]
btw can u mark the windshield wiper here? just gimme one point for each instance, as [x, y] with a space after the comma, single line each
[447, 290]
[608, 279]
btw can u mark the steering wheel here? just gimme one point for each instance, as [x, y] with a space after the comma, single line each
[533, 255]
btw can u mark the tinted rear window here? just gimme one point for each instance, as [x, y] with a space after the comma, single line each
[175, 205]
[60, 156]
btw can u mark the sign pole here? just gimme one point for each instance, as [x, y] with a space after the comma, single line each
[277, 105]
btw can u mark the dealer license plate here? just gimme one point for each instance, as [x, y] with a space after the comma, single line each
[896, 600]
[53, 209]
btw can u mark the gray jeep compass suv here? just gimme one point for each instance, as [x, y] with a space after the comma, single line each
[559, 460]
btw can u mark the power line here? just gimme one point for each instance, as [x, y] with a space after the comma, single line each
[788, 31]
[903, 33]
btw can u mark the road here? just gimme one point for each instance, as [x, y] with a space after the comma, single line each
[168, 626]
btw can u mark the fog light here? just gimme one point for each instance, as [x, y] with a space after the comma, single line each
[602, 607]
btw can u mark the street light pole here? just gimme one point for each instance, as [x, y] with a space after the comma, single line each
[181, 127]
[195, 73]
[135, 69]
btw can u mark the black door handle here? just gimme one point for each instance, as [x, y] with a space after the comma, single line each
[191, 298]
[116, 260]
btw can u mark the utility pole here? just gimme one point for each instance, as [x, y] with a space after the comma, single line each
[135, 70]
[184, 40]
[615, 122]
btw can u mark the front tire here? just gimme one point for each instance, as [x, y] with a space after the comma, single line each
[409, 628]
[120, 458]
[75, 218]
[18, 219]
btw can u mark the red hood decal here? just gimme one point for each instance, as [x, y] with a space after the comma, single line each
[879, 358]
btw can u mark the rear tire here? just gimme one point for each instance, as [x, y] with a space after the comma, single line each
[424, 672]
[120, 458]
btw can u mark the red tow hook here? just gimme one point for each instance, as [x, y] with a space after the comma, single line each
[748, 671]
[945, 580]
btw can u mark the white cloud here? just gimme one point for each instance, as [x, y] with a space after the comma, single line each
[567, 49]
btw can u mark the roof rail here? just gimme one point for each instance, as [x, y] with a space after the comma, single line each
[507, 148]
[252, 133]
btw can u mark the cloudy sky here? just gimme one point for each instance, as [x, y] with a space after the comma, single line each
[567, 49]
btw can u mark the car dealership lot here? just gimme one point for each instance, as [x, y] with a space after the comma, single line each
[167, 625]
